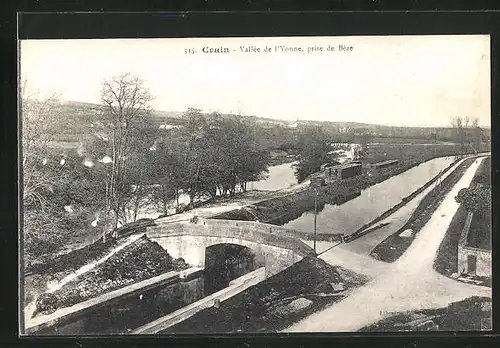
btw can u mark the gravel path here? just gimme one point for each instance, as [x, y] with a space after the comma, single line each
[408, 284]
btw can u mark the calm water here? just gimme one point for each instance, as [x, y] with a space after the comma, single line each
[279, 177]
[373, 201]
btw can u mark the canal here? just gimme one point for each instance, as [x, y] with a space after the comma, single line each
[350, 216]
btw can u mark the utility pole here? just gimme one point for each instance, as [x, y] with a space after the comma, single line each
[315, 216]
[315, 185]
[440, 180]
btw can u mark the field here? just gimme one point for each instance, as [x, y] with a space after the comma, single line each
[410, 152]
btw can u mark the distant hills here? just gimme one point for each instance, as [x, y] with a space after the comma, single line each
[79, 116]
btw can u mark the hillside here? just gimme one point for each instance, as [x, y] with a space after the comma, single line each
[79, 116]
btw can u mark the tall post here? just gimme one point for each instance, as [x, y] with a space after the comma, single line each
[315, 214]
[440, 180]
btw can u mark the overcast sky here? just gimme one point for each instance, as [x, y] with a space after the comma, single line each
[396, 80]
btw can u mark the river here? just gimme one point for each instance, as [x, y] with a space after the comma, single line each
[373, 201]
[279, 177]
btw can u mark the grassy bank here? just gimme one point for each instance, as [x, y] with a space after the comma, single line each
[480, 228]
[277, 302]
[447, 255]
[394, 246]
[471, 314]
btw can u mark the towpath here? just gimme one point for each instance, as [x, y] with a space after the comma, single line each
[408, 284]
[233, 203]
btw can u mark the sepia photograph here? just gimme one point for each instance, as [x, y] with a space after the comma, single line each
[255, 185]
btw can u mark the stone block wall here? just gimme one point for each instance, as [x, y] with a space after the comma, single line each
[483, 261]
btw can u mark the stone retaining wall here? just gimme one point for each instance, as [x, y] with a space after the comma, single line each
[93, 316]
[467, 255]
[235, 287]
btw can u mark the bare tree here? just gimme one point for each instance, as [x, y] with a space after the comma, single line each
[40, 121]
[458, 124]
[467, 133]
[476, 135]
[126, 101]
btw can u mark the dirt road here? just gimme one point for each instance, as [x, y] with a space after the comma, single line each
[408, 284]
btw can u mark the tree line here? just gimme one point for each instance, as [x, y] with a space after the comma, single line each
[212, 155]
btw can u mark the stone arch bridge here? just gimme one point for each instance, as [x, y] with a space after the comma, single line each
[274, 247]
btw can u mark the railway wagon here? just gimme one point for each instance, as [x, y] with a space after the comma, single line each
[343, 171]
[350, 170]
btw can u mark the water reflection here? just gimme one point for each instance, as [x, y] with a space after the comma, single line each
[279, 177]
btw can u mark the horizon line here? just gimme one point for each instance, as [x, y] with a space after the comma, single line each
[236, 113]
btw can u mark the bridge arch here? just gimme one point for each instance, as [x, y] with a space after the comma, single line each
[225, 262]
[190, 241]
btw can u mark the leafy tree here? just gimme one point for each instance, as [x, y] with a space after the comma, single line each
[314, 147]
[40, 123]
[166, 174]
[221, 154]
[139, 170]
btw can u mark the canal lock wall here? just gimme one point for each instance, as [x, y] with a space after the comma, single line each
[125, 309]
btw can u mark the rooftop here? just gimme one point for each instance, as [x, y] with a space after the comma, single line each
[384, 162]
[345, 165]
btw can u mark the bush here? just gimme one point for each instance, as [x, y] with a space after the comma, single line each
[476, 199]
[46, 303]
[483, 178]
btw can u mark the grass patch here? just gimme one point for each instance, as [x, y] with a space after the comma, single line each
[480, 229]
[447, 255]
[67, 263]
[394, 246]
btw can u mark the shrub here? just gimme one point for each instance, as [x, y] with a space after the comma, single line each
[476, 200]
